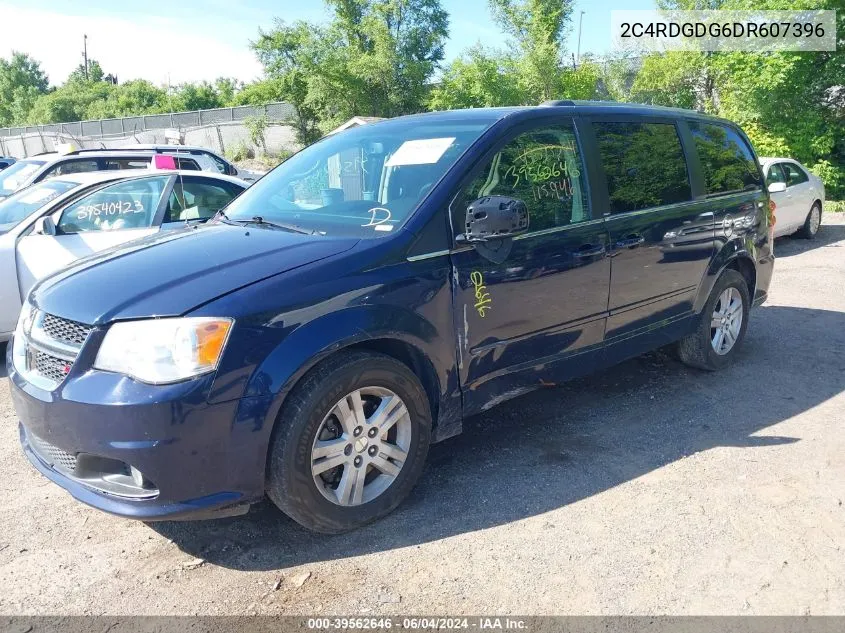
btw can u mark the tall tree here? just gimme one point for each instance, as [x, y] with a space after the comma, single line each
[373, 58]
[21, 83]
[539, 29]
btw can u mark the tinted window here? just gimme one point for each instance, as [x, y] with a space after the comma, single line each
[794, 174]
[726, 159]
[775, 174]
[130, 204]
[195, 198]
[72, 167]
[543, 169]
[27, 201]
[644, 164]
[187, 163]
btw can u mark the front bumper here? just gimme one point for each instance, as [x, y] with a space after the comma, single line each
[195, 459]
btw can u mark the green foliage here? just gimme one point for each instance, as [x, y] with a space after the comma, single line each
[21, 82]
[538, 28]
[833, 177]
[834, 206]
[256, 126]
[478, 79]
[374, 58]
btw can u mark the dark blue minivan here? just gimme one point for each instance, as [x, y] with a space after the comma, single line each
[358, 302]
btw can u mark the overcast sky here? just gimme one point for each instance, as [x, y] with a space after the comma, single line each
[191, 40]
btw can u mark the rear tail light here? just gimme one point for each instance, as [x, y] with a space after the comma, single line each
[772, 217]
[164, 162]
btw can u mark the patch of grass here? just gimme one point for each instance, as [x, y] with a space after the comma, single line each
[835, 206]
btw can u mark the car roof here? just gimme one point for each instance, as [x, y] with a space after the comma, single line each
[166, 147]
[567, 107]
[771, 159]
[93, 177]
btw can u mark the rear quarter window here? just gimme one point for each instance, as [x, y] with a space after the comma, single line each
[644, 165]
[726, 159]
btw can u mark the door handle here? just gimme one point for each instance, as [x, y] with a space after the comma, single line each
[632, 241]
[589, 250]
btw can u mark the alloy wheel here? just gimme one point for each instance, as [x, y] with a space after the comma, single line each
[361, 446]
[726, 322]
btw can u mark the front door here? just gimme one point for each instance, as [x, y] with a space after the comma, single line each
[530, 311]
[108, 217]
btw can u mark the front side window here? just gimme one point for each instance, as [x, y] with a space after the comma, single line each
[794, 174]
[20, 205]
[364, 182]
[187, 164]
[16, 176]
[775, 174]
[542, 168]
[131, 204]
[726, 159]
[195, 198]
[644, 164]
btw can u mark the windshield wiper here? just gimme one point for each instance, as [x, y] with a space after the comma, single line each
[257, 219]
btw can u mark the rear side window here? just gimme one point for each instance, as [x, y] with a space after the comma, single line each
[775, 174]
[187, 163]
[794, 174]
[644, 164]
[726, 159]
[195, 198]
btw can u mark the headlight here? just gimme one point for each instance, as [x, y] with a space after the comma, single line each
[22, 330]
[160, 351]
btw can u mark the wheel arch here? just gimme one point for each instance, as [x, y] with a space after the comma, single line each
[395, 332]
[740, 261]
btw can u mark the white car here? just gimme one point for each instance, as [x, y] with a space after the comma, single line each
[43, 166]
[798, 195]
[51, 224]
[208, 160]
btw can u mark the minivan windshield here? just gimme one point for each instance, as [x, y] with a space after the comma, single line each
[20, 205]
[14, 177]
[364, 182]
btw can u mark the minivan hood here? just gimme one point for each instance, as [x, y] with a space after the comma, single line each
[170, 273]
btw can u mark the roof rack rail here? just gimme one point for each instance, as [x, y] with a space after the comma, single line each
[557, 102]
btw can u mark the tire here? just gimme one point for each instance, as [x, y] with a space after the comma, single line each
[312, 417]
[811, 226]
[698, 349]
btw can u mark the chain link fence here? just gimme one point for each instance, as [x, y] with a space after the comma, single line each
[221, 130]
[275, 113]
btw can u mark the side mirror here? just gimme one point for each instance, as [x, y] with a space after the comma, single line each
[777, 187]
[495, 217]
[44, 226]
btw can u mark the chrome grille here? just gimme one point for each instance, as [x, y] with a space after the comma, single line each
[50, 367]
[64, 330]
[53, 455]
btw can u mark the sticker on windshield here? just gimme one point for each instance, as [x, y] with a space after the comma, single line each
[424, 151]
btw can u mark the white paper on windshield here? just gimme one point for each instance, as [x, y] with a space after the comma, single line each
[424, 151]
[42, 194]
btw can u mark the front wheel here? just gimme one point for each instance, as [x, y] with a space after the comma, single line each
[350, 444]
[812, 224]
[721, 331]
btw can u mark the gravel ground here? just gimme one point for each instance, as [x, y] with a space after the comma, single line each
[646, 489]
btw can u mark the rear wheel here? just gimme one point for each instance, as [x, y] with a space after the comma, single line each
[722, 328]
[812, 223]
[351, 442]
